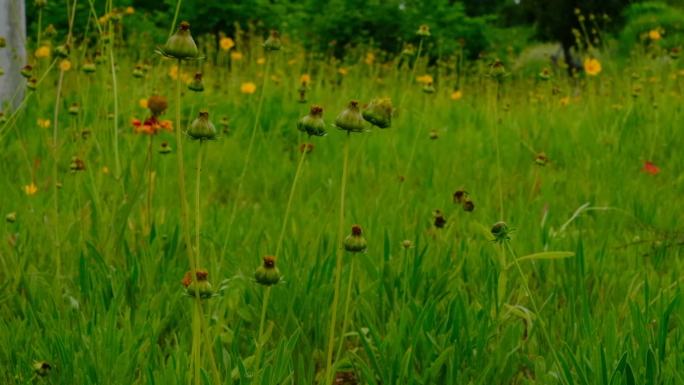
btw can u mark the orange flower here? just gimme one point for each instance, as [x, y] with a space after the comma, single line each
[248, 88]
[43, 52]
[305, 79]
[592, 66]
[151, 126]
[235, 55]
[651, 168]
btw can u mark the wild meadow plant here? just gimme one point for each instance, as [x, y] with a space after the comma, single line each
[377, 261]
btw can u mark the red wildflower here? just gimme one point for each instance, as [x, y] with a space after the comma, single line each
[651, 168]
[151, 126]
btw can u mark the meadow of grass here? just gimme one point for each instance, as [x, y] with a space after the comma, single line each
[585, 172]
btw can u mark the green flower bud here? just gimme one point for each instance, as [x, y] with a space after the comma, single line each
[350, 118]
[32, 84]
[88, 67]
[497, 70]
[26, 71]
[98, 58]
[201, 128]
[40, 4]
[138, 71]
[313, 123]
[460, 195]
[541, 159]
[545, 74]
[164, 148]
[11, 217]
[199, 286]
[273, 42]
[62, 51]
[3, 42]
[406, 244]
[42, 368]
[181, 45]
[468, 205]
[74, 109]
[423, 31]
[355, 242]
[428, 88]
[196, 83]
[379, 112]
[50, 31]
[267, 274]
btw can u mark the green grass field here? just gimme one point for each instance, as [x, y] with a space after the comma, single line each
[101, 226]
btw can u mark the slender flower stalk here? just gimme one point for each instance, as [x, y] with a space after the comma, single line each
[338, 266]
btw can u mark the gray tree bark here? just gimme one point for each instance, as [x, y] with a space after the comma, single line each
[13, 55]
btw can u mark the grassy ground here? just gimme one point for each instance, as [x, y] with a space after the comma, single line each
[92, 260]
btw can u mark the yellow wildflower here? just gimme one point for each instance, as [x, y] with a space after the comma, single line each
[456, 95]
[65, 65]
[564, 101]
[44, 123]
[654, 35]
[143, 103]
[42, 52]
[305, 79]
[130, 10]
[31, 189]
[370, 58]
[425, 79]
[235, 55]
[248, 88]
[105, 170]
[343, 71]
[261, 61]
[226, 43]
[592, 66]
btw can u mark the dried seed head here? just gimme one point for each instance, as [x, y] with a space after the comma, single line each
[439, 221]
[157, 105]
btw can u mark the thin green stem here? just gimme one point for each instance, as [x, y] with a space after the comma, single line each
[347, 302]
[260, 334]
[115, 92]
[528, 292]
[289, 204]
[198, 205]
[175, 19]
[338, 266]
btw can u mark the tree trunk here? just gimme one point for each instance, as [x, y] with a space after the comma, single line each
[13, 55]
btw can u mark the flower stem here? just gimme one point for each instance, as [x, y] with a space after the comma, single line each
[289, 204]
[259, 343]
[347, 301]
[338, 267]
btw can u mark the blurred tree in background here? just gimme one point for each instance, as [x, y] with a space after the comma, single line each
[335, 26]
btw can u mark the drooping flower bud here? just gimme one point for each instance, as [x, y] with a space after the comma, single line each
[428, 88]
[76, 165]
[460, 195]
[379, 112]
[11, 217]
[500, 232]
[201, 128]
[181, 44]
[541, 159]
[62, 51]
[350, 118]
[196, 84]
[468, 205]
[440, 221]
[273, 42]
[32, 84]
[313, 123]
[355, 242]
[138, 71]
[267, 274]
[26, 71]
[42, 368]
